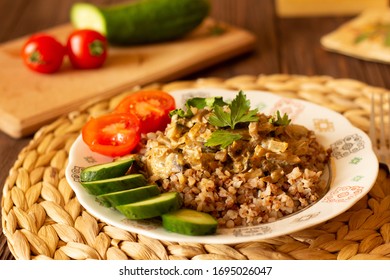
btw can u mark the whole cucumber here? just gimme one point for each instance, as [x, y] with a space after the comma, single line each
[142, 21]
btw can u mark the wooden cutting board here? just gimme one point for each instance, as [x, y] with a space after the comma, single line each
[29, 100]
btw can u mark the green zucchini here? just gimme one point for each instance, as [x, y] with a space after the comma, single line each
[142, 21]
[151, 207]
[106, 170]
[128, 196]
[115, 184]
[189, 222]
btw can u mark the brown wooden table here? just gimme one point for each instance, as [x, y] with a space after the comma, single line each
[288, 46]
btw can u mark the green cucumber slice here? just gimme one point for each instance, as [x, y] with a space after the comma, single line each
[115, 184]
[189, 222]
[106, 170]
[151, 207]
[128, 196]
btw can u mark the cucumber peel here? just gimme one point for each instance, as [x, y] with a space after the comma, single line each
[151, 207]
[106, 170]
[114, 184]
[142, 21]
[128, 196]
[189, 222]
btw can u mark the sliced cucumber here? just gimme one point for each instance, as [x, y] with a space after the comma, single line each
[115, 184]
[189, 222]
[128, 196]
[106, 170]
[151, 207]
[142, 21]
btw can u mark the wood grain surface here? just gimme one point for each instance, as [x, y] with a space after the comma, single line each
[27, 106]
[290, 46]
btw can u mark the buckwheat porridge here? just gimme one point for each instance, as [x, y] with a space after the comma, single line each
[239, 165]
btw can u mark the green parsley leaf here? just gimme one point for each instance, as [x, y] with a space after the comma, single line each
[237, 112]
[180, 112]
[222, 138]
[279, 120]
[220, 118]
[202, 102]
[199, 103]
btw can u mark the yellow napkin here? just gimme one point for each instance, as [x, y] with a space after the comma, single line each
[366, 37]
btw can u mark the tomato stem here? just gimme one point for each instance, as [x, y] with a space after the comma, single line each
[36, 57]
[96, 48]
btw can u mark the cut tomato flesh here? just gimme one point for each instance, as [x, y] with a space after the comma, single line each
[144, 110]
[151, 107]
[112, 135]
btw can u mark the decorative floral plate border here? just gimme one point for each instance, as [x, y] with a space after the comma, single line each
[353, 172]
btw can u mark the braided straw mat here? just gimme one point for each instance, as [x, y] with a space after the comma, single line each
[42, 218]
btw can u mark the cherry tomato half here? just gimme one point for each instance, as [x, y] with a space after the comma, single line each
[43, 53]
[113, 134]
[152, 108]
[87, 49]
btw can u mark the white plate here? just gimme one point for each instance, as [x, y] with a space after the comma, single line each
[354, 170]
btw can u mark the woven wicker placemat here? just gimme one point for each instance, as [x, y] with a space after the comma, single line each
[42, 218]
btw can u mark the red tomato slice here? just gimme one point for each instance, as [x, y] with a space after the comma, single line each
[112, 135]
[152, 107]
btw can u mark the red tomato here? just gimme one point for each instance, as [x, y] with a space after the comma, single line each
[87, 49]
[43, 53]
[152, 108]
[113, 134]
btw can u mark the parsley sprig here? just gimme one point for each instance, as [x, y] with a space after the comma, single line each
[222, 138]
[237, 112]
[199, 103]
[225, 116]
[228, 116]
[279, 120]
